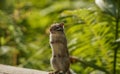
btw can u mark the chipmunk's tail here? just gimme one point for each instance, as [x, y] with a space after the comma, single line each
[74, 59]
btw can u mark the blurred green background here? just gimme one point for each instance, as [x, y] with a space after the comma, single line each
[90, 31]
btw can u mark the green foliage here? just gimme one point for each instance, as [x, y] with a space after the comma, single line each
[91, 38]
[24, 34]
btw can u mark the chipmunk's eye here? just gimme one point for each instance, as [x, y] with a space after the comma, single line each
[59, 28]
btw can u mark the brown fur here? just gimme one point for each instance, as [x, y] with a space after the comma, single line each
[60, 56]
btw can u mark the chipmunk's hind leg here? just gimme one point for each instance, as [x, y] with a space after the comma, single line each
[68, 72]
[55, 72]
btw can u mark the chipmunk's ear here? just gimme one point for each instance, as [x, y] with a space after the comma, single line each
[62, 24]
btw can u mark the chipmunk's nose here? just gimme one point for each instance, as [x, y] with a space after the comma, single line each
[51, 30]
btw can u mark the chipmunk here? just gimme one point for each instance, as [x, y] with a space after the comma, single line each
[60, 60]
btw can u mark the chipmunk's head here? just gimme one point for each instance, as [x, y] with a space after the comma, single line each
[57, 28]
